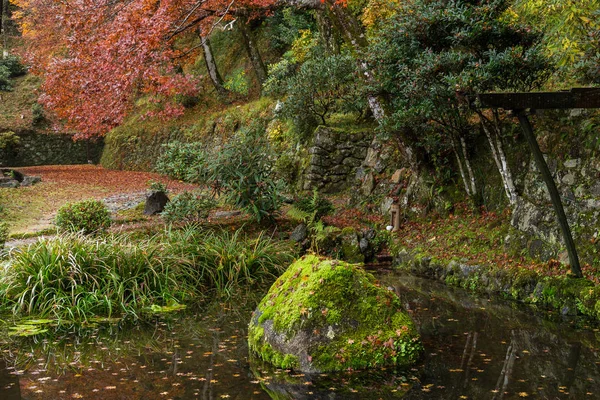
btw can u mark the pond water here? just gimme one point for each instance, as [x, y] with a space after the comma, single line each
[474, 349]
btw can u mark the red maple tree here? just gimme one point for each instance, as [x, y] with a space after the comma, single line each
[98, 56]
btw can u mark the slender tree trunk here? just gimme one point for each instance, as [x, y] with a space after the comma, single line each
[352, 32]
[211, 67]
[464, 166]
[4, 16]
[250, 45]
[468, 165]
[462, 171]
[495, 140]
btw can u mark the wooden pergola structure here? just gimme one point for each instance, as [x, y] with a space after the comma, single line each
[524, 104]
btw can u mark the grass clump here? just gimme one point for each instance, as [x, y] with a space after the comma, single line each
[3, 233]
[74, 277]
[88, 216]
[224, 260]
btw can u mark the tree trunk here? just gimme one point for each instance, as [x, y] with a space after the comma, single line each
[4, 15]
[468, 165]
[464, 166]
[211, 67]
[250, 45]
[325, 30]
[495, 140]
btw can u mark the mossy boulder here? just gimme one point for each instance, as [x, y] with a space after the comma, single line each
[327, 315]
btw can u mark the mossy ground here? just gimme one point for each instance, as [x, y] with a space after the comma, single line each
[320, 297]
[15, 109]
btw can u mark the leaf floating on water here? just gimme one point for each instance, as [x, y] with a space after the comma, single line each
[38, 322]
[26, 330]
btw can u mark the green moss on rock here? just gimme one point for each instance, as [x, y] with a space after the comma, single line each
[328, 315]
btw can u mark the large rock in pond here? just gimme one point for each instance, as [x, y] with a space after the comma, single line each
[327, 315]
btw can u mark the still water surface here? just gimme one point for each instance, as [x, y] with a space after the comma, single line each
[474, 349]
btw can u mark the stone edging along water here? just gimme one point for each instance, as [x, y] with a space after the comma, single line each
[567, 295]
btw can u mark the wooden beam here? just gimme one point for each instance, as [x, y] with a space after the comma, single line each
[575, 98]
[553, 191]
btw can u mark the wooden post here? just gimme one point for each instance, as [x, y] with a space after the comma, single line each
[554, 195]
[395, 217]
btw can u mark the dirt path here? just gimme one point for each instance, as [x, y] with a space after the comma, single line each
[32, 209]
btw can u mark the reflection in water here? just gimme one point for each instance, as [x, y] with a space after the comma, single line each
[475, 349]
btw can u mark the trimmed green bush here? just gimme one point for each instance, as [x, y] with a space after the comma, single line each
[88, 216]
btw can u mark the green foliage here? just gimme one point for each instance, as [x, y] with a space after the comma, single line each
[14, 66]
[224, 260]
[37, 112]
[3, 232]
[566, 26]
[156, 186]
[316, 87]
[189, 207]
[237, 82]
[10, 67]
[242, 169]
[5, 82]
[74, 278]
[183, 161]
[589, 67]
[309, 210]
[8, 140]
[286, 25]
[314, 203]
[88, 216]
[432, 53]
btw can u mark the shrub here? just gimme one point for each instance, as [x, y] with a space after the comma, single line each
[89, 216]
[189, 207]
[318, 87]
[14, 66]
[10, 67]
[237, 82]
[9, 140]
[244, 170]
[183, 161]
[37, 113]
[156, 186]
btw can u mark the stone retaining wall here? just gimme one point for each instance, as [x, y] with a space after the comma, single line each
[567, 295]
[49, 149]
[334, 157]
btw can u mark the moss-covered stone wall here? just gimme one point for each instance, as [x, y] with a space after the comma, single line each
[565, 294]
[137, 144]
[34, 148]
